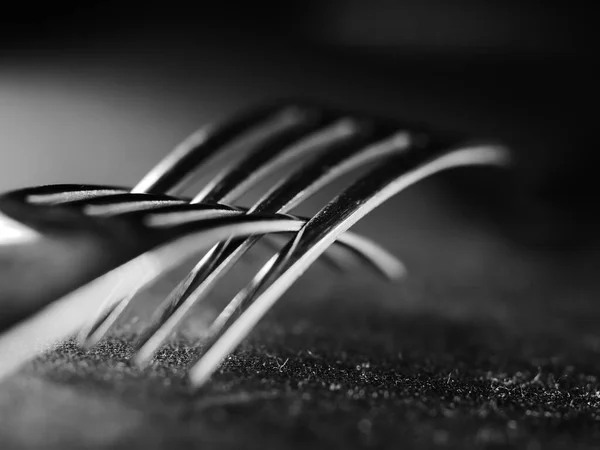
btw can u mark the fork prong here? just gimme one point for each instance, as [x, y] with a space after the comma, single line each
[319, 232]
[170, 173]
[113, 205]
[265, 156]
[182, 299]
[55, 194]
[237, 177]
[241, 175]
[250, 131]
[288, 193]
[393, 268]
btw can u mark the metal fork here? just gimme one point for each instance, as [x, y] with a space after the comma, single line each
[289, 192]
[268, 138]
[272, 136]
[283, 269]
[347, 141]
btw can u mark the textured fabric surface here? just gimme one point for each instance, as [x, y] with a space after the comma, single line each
[485, 345]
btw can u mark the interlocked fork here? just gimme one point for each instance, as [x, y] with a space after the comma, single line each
[267, 134]
[408, 156]
[372, 143]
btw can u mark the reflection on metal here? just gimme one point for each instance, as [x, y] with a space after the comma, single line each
[13, 232]
[323, 145]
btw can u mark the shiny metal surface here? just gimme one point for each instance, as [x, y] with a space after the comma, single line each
[291, 191]
[318, 233]
[172, 230]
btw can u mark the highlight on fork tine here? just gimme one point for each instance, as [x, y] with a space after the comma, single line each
[303, 132]
[150, 228]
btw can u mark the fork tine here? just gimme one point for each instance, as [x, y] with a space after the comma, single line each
[275, 151]
[113, 205]
[233, 180]
[170, 173]
[171, 313]
[288, 193]
[380, 260]
[250, 131]
[336, 217]
[367, 250]
[236, 178]
[55, 194]
[240, 175]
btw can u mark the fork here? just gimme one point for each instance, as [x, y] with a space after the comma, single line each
[266, 129]
[286, 194]
[342, 143]
[283, 269]
[268, 134]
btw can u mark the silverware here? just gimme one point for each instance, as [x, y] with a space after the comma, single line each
[165, 231]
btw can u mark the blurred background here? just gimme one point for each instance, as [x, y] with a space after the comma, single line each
[98, 91]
